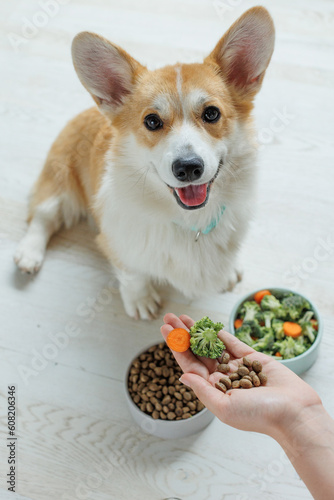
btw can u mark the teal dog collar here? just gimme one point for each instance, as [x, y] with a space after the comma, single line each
[208, 228]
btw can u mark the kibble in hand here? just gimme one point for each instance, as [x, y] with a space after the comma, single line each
[223, 368]
[226, 381]
[243, 370]
[225, 358]
[245, 383]
[222, 387]
[247, 362]
[257, 367]
[263, 378]
[248, 375]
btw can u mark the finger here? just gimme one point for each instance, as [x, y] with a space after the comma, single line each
[187, 360]
[176, 322]
[172, 319]
[187, 320]
[237, 348]
[211, 397]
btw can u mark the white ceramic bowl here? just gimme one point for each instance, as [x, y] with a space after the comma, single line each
[304, 361]
[166, 429]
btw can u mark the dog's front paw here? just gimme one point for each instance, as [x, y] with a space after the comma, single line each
[28, 257]
[235, 278]
[142, 304]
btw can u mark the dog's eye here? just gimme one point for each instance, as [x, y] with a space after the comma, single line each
[153, 122]
[211, 114]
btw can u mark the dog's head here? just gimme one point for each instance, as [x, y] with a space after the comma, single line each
[180, 119]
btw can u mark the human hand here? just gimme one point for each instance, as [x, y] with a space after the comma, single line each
[266, 409]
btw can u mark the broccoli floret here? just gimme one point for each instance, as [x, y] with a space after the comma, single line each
[306, 318]
[256, 330]
[204, 339]
[265, 343]
[277, 326]
[280, 295]
[300, 346]
[259, 317]
[249, 310]
[282, 313]
[266, 330]
[308, 330]
[290, 348]
[286, 347]
[270, 303]
[244, 334]
[277, 345]
[268, 316]
[307, 327]
[295, 306]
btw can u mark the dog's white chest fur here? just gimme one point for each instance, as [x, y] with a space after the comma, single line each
[166, 252]
[150, 243]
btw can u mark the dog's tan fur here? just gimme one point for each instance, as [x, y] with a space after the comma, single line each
[75, 160]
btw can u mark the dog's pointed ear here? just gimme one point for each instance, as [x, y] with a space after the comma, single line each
[104, 69]
[244, 52]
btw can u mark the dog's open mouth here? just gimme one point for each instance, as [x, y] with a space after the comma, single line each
[193, 196]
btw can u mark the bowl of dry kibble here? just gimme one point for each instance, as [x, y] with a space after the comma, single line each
[159, 403]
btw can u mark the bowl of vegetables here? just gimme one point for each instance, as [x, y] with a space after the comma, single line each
[281, 323]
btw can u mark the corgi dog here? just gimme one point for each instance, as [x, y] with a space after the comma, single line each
[165, 164]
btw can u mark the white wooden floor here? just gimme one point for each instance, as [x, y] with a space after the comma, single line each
[76, 437]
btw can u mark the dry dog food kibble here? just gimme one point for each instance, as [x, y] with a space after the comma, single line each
[155, 388]
[225, 358]
[223, 368]
[257, 367]
[243, 371]
[219, 385]
[249, 374]
[245, 383]
[262, 377]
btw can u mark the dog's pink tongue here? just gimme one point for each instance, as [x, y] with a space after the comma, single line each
[193, 195]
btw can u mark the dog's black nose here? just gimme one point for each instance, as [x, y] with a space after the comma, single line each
[188, 169]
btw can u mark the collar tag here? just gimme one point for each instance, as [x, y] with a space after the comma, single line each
[198, 234]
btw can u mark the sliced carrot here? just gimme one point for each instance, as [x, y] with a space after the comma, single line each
[178, 340]
[259, 295]
[292, 329]
[314, 324]
[238, 323]
[278, 354]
